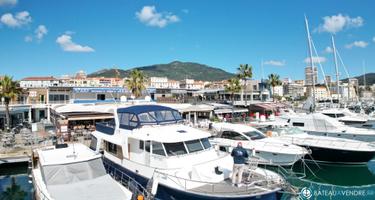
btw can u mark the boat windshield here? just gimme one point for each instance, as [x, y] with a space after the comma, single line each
[254, 135]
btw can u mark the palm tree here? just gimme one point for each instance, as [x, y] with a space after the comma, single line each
[136, 82]
[274, 80]
[245, 71]
[233, 86]
[13, 192]
[9, 90]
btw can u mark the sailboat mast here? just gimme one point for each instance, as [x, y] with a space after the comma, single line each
[336, 67]
[311, 61]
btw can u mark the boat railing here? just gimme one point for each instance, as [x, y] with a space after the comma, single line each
[266, 183]
[332, 143]
[127, 181]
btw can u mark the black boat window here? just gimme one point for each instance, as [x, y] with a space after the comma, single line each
[112, 148]
[233, 135]
[147, 146]
[206, 143]
[93, 143]
[194, 146]
[157, 148]
[141, 144]
[301, 124]
[333, 115]
[174, 149]
[254, 135]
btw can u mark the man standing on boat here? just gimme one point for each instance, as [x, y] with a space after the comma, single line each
[239, 155]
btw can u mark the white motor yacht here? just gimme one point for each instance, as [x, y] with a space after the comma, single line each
[271, 151]
[148, 143]
[74, 172]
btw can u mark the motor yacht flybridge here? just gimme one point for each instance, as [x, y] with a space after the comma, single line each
[149, 143]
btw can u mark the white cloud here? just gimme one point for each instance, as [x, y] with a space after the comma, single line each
[274, 62]
[66, 43]
[40, 32]
[28, 38]
[373, 39]
[17, 20]
[8, 2]
[337, 23]
[360, 44]
[315, 59]
[328, 49]
[149, 16]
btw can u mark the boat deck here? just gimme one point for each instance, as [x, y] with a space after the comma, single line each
[254, 186]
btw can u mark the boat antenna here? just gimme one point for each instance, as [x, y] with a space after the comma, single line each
[337, 68]
[311, 63]
[364, 73]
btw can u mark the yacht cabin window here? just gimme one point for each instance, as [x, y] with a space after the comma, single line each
[194, 146]
[147, 146]
[93, 143]
[334, 115]
[141, 144]
[157, 148]
[301, 124]
[173, 149]
[206, 143]
[232, 135]
[254, 135]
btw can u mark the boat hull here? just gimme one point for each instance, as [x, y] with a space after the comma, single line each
[339, 156]
[165, 193]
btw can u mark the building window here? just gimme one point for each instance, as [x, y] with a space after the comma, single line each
[100, 97]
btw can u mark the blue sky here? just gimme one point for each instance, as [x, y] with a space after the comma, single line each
[50, 37]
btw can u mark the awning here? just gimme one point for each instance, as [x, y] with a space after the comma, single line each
[225, 111]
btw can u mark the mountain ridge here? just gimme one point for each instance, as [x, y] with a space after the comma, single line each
[175, 70]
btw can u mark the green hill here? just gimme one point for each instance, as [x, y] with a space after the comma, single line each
[370, 79]
[175, 70]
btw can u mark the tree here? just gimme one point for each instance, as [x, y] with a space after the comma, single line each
[233, 86]
[274, 80]
[245, 71]
[13, 192]
[136, 82]
[9, 90]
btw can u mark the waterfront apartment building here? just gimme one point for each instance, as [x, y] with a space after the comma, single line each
[309, 76]
[39, 82]
[294, 90]
[192, 84]
[321, 92]
[163, 83]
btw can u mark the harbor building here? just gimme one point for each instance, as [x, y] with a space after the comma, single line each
[309, 76]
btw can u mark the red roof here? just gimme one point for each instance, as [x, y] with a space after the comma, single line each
[39, 78]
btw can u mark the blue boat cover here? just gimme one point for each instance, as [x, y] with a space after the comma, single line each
[143, 109]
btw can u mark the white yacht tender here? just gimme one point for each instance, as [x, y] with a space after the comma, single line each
[148, 143]
[270, 151]
[73, 172]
